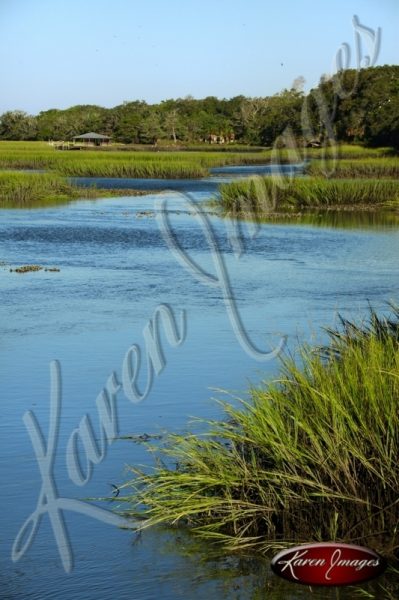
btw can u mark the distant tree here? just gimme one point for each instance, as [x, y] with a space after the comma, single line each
[279, 112]
[171, 123]
[352, 105]
[17, 125]
[380, 90]
[251, 112]
[150, 129]
[46, 124]
[64, 124]
[363, 104]
[127, 119]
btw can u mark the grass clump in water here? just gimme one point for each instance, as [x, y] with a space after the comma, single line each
[32, 190]
[312, 456]
[264, 195]
[25, 189]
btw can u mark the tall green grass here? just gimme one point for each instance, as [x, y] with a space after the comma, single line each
[336, 152]
[264, 195]
[30, 190]
[313, 455]
[26, 189]
[367, 168]
[102, 163]
[162, 164]
[351, 151]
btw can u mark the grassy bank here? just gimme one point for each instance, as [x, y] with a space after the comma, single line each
[366, 167]
[161, 164]
[259, 196]
[27, 190]
[243, 197]
[117, 163]
[335, 152]
[312, 455]
[23, 189]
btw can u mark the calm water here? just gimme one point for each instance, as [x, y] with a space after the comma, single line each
[115, 270]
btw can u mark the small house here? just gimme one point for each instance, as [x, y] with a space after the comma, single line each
[92, 139]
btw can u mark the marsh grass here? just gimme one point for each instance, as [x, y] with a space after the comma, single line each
[313, 455]
[140, 164]
[264, 195]
[30, 190]
[22, 189]
[328, 154]
[159, 163]
[365, 167]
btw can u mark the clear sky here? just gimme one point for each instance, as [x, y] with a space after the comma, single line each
[57, 53]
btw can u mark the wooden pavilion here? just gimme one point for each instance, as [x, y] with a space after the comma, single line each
[92, 139]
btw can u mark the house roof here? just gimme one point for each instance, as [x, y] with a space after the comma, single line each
[91, 136]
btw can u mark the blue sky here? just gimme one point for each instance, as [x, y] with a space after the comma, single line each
[57, 53]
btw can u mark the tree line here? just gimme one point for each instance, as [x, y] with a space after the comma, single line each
[350, 106]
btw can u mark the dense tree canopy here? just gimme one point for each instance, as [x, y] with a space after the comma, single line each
[363, 105]
[353, 105]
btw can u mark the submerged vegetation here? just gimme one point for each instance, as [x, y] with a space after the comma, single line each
[312, 455]
[34, 268]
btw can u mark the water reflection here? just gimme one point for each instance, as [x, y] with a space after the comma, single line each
[203, 571]
[342, 219]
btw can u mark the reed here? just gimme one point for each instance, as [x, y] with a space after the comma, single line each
[312, 455]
